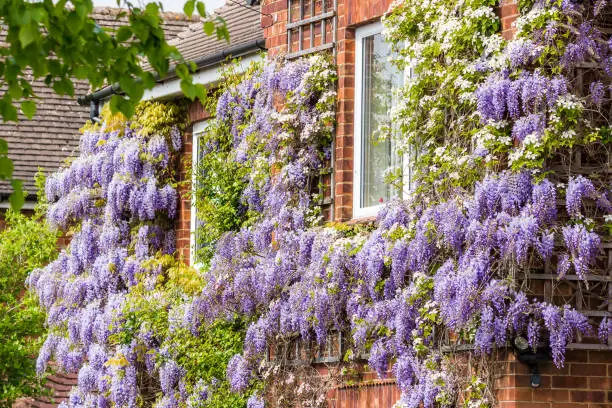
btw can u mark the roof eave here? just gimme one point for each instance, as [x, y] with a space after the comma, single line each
[203, 62]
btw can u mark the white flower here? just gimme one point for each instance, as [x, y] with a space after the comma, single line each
[532, 139]
[568, 134]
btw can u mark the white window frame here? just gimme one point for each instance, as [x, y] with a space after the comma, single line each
[358, 211]
[198, 129]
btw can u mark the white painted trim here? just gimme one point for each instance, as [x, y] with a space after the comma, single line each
[360, 34]
[207, 76]
[197, 129]
[360, 212]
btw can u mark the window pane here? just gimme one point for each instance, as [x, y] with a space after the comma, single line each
[380, 79]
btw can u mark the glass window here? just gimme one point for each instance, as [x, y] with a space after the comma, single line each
[197, 154]
[376, 80]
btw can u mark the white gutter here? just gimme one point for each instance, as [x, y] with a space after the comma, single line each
[206, 76]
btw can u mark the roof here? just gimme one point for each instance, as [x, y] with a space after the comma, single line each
[53, 133]
[243, 23]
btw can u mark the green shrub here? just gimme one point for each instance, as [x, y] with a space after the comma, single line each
[26, 243]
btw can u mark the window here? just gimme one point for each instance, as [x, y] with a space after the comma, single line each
[197, 151]
[376, 79]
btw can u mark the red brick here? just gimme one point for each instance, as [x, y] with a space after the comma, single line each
[600, 357]
[588, 396]
[577, 356]
[588, 369]
[600, 383]
[344, 188]
[509, 10]
[551, 395]
[569, 382]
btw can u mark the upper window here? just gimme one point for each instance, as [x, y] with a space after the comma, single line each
[376, 80]
[197, 153]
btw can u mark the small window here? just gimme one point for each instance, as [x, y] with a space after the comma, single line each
[197, 153]
[376, 80]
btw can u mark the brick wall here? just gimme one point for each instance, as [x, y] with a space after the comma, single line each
[183, 227]
[508, 12]
[584, 382]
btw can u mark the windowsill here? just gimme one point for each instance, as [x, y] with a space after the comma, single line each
[365, 220]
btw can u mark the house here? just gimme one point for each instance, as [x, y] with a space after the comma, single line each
[351, 31]
[209, 54]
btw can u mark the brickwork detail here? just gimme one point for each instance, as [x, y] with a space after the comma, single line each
[585, 381]
[508, 13]
[183, 226]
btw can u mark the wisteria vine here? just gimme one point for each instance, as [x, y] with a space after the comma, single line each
[441, 267]
[450, 258]
[118, 201]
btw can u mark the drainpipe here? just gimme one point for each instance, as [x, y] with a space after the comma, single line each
[93, 99]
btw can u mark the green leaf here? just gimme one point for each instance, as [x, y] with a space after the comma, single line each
[209, 27]
[28, 33]
[189, 7]
[28, 108]
[182, 71]
[7, 110]
[3, 146]
[222, 31]
[6, 168]
[120, 104]
[201, 8]
[200, 93]
[124, 33]
[17, 197]
[188, 89]
[63, 86]
[141, 30]
[131, 87]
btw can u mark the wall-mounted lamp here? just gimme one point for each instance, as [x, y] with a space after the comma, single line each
[526, 355]
[253, 2]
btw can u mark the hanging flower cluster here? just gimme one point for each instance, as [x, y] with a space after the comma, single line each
[119, 199]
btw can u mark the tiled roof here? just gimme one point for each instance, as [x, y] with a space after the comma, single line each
[173, 23]
[244, 25]
[53, 134]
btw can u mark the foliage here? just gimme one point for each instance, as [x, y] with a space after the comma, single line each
[59, 42]
[114, 295]
[441, 42]
[26, 243]
[219, 180]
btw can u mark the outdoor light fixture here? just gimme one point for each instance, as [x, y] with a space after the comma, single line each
[526, 355]
[252, 2]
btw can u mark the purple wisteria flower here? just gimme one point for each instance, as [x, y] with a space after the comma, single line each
[582, 247]
[238, 373]
[255, 401]
[578, 188]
